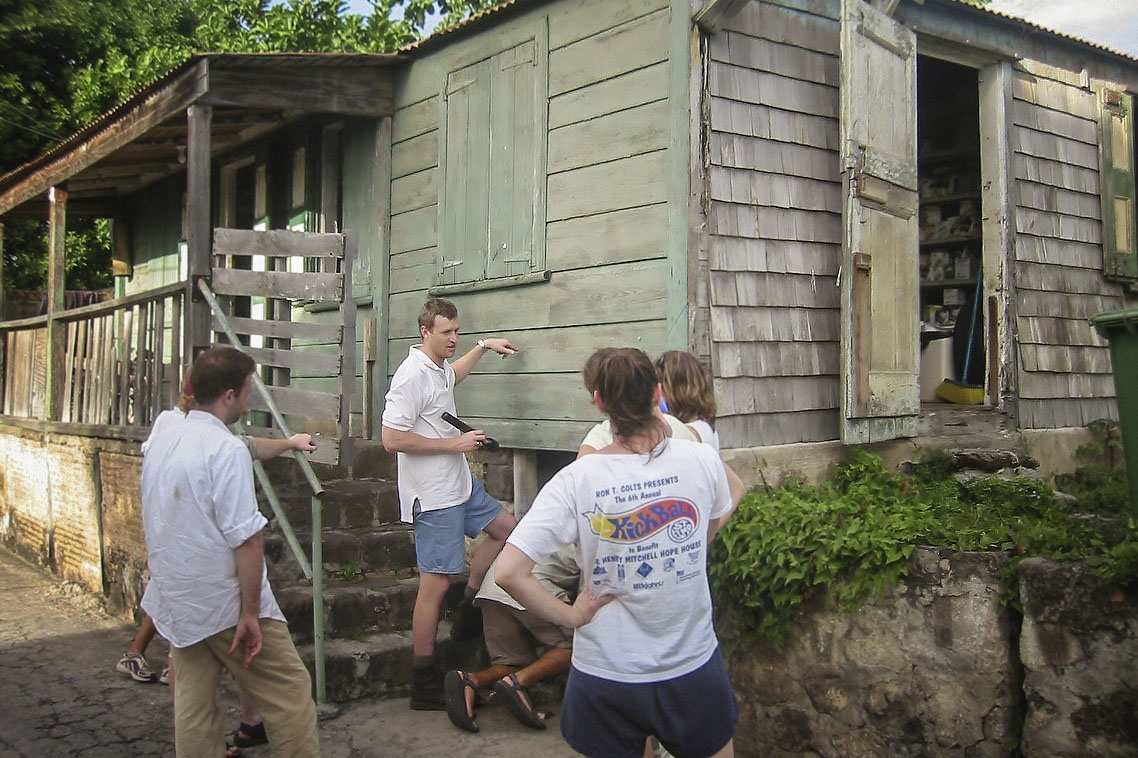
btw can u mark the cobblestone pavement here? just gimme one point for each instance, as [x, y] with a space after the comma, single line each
[61, 696]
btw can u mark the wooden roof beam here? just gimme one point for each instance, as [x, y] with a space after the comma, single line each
[344, 91]
[715, 14]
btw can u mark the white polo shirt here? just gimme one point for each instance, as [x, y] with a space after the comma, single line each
[198, 506]
[420, 392]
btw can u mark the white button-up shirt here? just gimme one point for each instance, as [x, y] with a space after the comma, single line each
[198, 506]
[421, 390]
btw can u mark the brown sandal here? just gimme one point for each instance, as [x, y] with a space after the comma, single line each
[454, 685]
[518, 697]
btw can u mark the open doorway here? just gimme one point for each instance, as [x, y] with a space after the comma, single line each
[950, 248]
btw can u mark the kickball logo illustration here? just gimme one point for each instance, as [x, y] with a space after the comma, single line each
[679, 517]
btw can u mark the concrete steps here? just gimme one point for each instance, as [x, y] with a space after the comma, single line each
[369, 589]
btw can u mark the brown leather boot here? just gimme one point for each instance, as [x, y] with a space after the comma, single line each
[427, 693]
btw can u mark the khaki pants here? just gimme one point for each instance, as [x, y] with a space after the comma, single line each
[277, 683]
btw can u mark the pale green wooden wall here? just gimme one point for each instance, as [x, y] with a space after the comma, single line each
[607, 219]
[156, 232]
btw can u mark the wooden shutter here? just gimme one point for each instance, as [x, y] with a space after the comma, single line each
[879, 274]
[467, 184]
[1120, 258]
[512, 162]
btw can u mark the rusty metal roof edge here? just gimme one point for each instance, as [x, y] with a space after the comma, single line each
[223, 60]
[488, 16]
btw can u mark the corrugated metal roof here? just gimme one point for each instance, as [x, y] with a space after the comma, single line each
[491, 15]
[1040, 27]
[252, 61]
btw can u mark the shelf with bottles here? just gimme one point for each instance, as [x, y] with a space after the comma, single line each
[945, 220]
[949, 267]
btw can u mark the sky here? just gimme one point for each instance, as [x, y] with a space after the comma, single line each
[1113, 23]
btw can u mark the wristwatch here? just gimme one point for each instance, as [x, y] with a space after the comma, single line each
[482, 344]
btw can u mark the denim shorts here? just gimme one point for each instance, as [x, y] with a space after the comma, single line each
[439, 546]
[692, 715]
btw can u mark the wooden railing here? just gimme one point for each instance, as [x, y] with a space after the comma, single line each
[120, 361]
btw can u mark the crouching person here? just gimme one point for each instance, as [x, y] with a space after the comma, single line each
[208, 593]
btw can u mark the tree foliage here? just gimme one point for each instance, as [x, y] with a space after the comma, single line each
[68, 61]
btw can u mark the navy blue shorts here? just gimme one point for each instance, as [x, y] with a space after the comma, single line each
[693, 715]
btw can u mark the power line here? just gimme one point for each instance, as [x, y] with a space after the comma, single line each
[52, 137]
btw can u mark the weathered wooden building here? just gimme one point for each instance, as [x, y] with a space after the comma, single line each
[795, 190]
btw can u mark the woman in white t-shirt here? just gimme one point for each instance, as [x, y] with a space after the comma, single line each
[688, 393]
[642, 511]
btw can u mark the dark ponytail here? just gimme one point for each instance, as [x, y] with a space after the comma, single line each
[625, 379]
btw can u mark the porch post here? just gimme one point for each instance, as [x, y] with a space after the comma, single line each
[3, 299]
[56, 330]
[196, 314]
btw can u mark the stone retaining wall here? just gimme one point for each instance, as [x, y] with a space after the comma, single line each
[936, 668]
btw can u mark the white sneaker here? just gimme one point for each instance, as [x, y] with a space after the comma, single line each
[136, 667]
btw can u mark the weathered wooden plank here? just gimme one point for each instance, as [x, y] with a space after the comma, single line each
[310, 360]
[414, 230]
[277, 284]
[1055, 174]
[734, 185]
[1047, 250]
[630, 46]
[1054, 122]
[777, 324]
[1062, 412]
[608, 294]
[1054, 95]
[772, 57]
[1055, 148]
[548, 350]
[739, 151]
[625, 235]
[1063, 305]
[280, 329]
[573, 22]
[754, 120]
[1054, 278]
[620, 184]
[758, 222]
[785, 256]
[634, 88]
[756, 288]
[1064, 359]
[1039, 385]
[1045, 330]
[619, 135]
[536, 434]
[415, 154]
[415, 119]
[1040, 70]
[735, 359]
[789, 26]
[414, 191]
[277, 242]
[776, 394]
[350, 92]
[299, 402]
[775, 90]
[1044, 197]
[754, 430]
[1057, 225]
[414, 270]
[553, 396]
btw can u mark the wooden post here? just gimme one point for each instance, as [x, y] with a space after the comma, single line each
[199, 238]
[525, 480]
[56, 330]
[3, 300]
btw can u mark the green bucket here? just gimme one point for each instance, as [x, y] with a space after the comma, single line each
[1120, 328]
